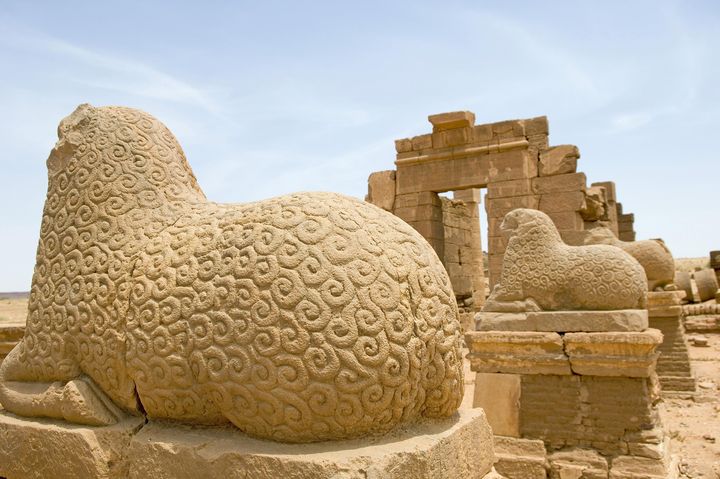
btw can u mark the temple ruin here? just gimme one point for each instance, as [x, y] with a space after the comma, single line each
[315, 335]
[515, 164]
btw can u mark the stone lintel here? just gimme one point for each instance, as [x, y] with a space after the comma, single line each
[517, 352]
[426, 156]
[564, 321]
[628, 354]
[450, 120]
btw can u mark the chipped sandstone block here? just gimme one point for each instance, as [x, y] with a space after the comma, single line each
[632, 467]
[505, 189]
[650, 450]
[665, 311]
[596, 206]
[421, 142]
[613, 354]
[499, 207]
[454, 137]
[516, 352]
[558, 160]
[520, 458]
[541, 273]
[567, 221]
[577, 463]
[562, 201]
[403, 145]
[499, 396]
[450, 120]
[543, 185]
[565, 321]
[664, 298]
[457, 447]
[41, 448]
[381, 189]
[536, 126]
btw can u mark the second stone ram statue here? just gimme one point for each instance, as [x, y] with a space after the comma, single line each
[541, 273]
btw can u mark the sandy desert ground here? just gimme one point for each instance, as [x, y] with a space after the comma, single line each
[693, 424]
[13, 306]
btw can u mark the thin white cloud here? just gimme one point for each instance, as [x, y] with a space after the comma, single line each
[631, 121]
[537, 49]
[113, 72]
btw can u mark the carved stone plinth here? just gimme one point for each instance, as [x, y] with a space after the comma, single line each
[576, 402]
[458, 447]
[564, 321]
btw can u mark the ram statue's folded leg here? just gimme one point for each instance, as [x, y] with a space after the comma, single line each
[76, 400]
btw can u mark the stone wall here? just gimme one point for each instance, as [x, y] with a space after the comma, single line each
[605, 414]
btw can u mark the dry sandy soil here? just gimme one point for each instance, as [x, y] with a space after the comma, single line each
[693, 424]
[13, 306]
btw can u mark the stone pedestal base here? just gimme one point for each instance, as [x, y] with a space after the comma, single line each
[578, 405]
[673, 366]
[458, 447]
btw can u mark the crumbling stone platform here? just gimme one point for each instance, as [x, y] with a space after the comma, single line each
[457, 447]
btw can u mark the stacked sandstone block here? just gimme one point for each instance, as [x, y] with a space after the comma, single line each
[702, 318]
[625, 225]
[570, 391]
[462, 252]
[673, 366]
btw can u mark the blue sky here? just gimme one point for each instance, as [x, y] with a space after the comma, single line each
[273, 97]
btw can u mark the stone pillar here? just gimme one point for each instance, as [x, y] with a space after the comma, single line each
[473, 255]
[423, 211]
[673, 366]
